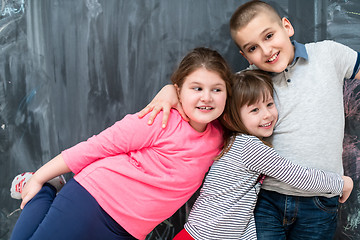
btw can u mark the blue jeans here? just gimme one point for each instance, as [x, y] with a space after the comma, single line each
[71, 214]
[279, 217]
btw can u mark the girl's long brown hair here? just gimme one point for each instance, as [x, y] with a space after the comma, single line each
[249, 87]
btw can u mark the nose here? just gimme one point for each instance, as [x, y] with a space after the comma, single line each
[266, 49]
[267, 114]
[206, 96]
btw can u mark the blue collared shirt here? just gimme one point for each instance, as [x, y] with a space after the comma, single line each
[300, 51]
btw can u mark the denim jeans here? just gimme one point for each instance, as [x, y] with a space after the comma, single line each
[71, 214]
[279, 217]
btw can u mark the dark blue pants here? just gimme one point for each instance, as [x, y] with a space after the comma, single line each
[71, 214]
[280, 217]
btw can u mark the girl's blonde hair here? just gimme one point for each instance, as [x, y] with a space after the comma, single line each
[249, 87]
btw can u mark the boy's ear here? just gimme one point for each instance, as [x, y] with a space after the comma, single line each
[243, 54]
[288, 27]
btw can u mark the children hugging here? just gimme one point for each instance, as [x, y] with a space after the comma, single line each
[263, 38]
[245, 127]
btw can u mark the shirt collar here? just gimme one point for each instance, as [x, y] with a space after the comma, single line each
[300, 51]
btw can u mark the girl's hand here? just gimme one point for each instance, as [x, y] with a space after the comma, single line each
[31, 188]
[55, 167]
[348, 186]
[164, 100]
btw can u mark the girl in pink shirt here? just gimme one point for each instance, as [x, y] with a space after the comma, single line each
[132, 176]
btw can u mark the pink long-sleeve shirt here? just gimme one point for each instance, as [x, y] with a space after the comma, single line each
[140, 174]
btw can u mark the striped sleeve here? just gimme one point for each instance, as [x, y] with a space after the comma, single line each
[263, 159]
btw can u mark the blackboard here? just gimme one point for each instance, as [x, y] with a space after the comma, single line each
[71, 68]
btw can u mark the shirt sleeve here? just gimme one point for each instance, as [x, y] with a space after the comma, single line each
[263, 159]
[346, 61]
[127, 135]
[357, 66]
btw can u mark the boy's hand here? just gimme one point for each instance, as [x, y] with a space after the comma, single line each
[166, 99]
[348, 186]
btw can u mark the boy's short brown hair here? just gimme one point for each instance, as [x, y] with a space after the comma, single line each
[246, 12]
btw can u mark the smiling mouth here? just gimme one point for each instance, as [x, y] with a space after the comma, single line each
[266, 125]
[273, 57]
[205, 108]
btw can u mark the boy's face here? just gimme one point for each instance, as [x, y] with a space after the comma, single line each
[266, 43]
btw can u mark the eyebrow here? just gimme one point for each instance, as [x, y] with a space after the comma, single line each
[220, 84]
[213, 85]
[264, 31]
[197, 82]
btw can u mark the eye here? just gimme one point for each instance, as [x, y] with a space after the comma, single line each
[251, 49]
[197, 88]
[268, 36]
[270, 104]
[217, 90]
[254, 110]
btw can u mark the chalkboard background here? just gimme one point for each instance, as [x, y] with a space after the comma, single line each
[71, 68]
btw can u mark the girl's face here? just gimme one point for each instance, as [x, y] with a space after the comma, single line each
[260, 118]
[203, 97]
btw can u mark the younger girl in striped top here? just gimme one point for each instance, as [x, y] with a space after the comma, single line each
[224, 209]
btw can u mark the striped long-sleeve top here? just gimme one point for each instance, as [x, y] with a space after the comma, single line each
[224, 209]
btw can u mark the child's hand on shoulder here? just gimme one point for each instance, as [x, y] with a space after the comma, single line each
[166, 99]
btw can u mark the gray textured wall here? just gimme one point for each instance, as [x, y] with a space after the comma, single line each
[70, 68]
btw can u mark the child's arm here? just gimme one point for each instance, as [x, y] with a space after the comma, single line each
[51, 169]
[127, 136]
[166, 99]
[122, 137]
[263, 159]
